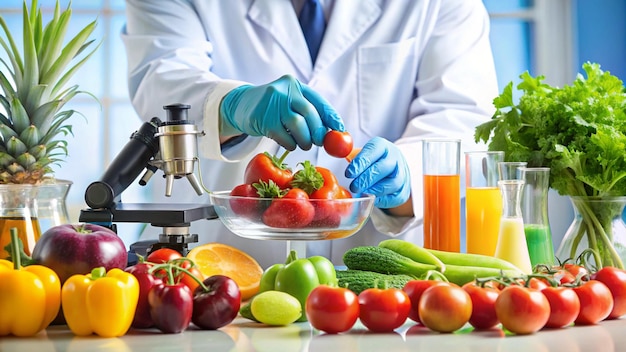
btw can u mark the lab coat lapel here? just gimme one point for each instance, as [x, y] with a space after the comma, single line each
[280, 21]
[349, 20]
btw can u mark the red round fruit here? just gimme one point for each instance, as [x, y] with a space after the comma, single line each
[522, 310]
[445, 308]
[78, 248]
[332, 309]
[338, 144]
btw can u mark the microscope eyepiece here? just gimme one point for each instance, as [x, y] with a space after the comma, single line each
[177, 113]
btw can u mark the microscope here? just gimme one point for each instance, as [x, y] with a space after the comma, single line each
[170, 146]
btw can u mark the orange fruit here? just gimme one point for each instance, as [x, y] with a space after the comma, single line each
[221, 259]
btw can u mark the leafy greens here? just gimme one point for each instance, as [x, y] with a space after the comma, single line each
[578, 131]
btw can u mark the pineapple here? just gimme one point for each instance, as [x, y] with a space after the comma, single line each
[32, 120]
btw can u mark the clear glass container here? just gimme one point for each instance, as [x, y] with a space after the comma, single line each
[597, 225]
[535, 214]
[511, 238]
[51, 204]
[18, 209]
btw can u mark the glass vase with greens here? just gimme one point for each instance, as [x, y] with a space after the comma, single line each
[34, 120]
[579, 132]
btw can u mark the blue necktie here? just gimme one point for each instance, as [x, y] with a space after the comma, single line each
[313, 25]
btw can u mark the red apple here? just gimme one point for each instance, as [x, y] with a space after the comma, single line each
[218, 305]
[77, 248]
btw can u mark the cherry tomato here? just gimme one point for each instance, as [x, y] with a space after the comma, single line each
[596, 302]
[188, 280]
[522, 310]
[445, 308]
[564, 306]
[615, 280]
[245, 206]
[537, 284]
[564, 277]
[338, 144]
[483, 305]
[576, 270]
[383, 310]
[332, 309]
[163, 255]
[291, 211]
[414, 289]
[266, 167]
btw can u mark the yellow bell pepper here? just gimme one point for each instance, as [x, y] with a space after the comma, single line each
[101, 303]
[30, 297]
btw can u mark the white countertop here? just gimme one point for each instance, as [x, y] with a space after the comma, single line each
[243, 335]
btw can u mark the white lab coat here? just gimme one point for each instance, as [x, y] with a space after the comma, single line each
[401, 69]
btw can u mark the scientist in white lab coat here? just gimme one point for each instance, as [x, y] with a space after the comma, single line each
[390, 72]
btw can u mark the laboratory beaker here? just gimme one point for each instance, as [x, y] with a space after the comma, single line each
[483, 201]
[512, 245]
[535, 214]
[442, 200]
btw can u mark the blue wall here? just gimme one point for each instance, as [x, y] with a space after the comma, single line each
[601, 34]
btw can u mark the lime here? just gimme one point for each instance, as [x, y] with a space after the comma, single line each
[276, 308]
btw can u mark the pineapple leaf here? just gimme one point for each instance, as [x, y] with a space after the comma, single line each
[6, 132]
[15, 146]
[6, 87]
[67, 54]
[37, 31]
[43, 116]
[57, 28]
[5, 103]
[31, 75]
[14, 52]
[30, 136]
[34, 98]
[19, 116]
[65, 78]
[3, 119]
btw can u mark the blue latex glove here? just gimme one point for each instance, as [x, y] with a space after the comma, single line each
[285, 110]
[380, 169]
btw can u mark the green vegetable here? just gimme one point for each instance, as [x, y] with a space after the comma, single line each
[383, 260]
[414, 252]
[579, 132]
[469, 259]
[358, 281]
[298, 277]
[386, 261]
[246, 311]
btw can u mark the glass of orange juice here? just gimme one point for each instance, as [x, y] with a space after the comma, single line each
[483, 201]
[442, 196]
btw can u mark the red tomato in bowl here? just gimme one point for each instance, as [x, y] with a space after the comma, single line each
[266, 167]
[332, 309]
[338, 144]
[293, 210]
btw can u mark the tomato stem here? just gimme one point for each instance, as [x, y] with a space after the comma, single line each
[283, 157]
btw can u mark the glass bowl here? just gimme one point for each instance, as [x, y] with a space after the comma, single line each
[244, 216]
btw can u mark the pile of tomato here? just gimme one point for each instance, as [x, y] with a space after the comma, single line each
[555, 297]
[308, 197]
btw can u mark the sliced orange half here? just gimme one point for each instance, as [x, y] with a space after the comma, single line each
[221, 259]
